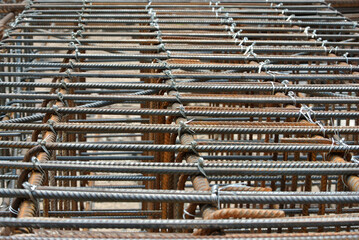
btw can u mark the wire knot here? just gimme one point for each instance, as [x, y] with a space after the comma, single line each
[42, 143]
[36, 162]
[263, 64]
[31, 189]
[184, 127]
[187, 213]
[250, 50]
[61, 99]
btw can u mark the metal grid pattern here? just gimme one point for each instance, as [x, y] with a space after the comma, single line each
[179, 120]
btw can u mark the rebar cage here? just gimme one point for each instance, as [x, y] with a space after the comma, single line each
[178, 119]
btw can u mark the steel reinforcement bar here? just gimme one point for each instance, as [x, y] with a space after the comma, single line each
[178, 119]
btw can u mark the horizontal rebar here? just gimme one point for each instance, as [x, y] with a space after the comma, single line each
[210, 169]
[340, 220]
[223, 128]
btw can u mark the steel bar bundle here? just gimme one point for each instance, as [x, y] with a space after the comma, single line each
[234, 119]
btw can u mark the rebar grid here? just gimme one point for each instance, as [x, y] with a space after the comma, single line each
[178, 120]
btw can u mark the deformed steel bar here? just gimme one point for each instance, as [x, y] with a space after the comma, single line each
[200, 76]
[142, 3]
[199, 41]
[132, 196]
[206, 57]
[223, 129]
[176, 169]
[177, 27]
[86, 157]
[127, 212]
[218, 86]
[92, 178]
[186, 99]
[198, 48]
[129, 10]
[167, 112]
[201, 56]
[152, 178]
[215, 21]
[341, 220]
[191, 166]
[175, 236]
[170, 16]
[172, 6]
[228, 41]
[185, 148]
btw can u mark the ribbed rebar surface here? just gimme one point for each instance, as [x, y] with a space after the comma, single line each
[178, 120]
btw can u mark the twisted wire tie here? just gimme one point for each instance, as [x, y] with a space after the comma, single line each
[12, 210]
[84, 2]
[72, 66]
[158, 37]
[272, 74]
[323, 46]
[355, 23]
[63, 84]
[340, 141]
[345, 55]
[153, 14]
[178, 98]
[30, 190]
[237, 34]
[148, 4]
[285, 83]
[155, 25]
[51, 126]
[182, 110]
[215, 195]
[306, 111]
[56, 110]
[36, 162]
[233, 27]
[184, 127]
[200, 166]
[42, 143]
[244, 40]
[187, 213]
[278, 5]
[306, 31]
[76, 48]
[216, 5]
[7, 33]
[61, 98]
[219, 9]
[273, 86]
[289, 19]
[314, 34]
[292, 95]
[355, 159]
[263, 64]
[321, 125]
[161, 48]
[74, 36]
[216, 190]
[79, 20]
[284, 11]
[249, 50]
